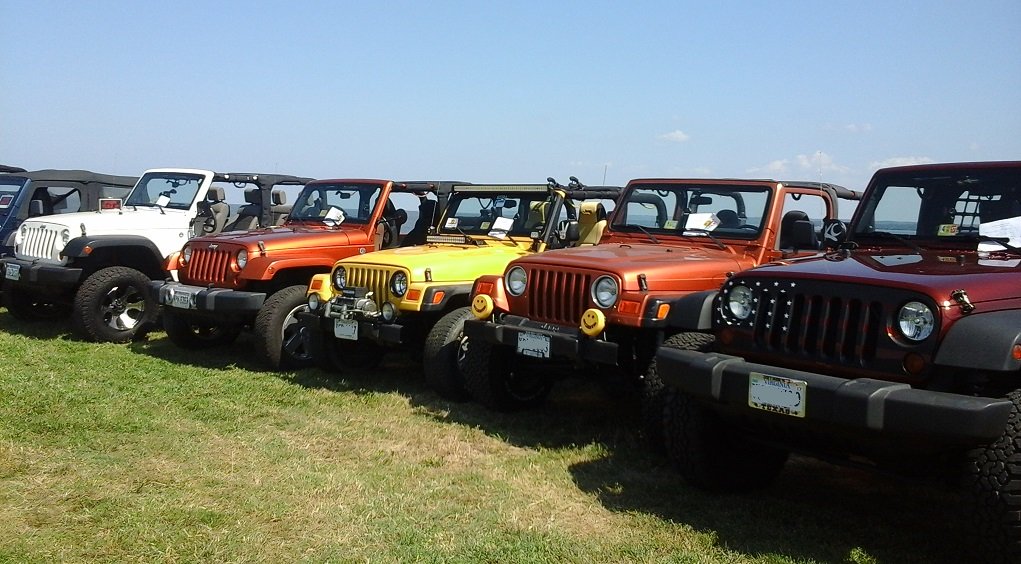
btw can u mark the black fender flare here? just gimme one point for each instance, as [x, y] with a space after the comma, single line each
[75, 248]
[449, 293]
[692, 312]
[982, 341]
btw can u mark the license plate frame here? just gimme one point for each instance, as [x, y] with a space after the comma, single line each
[535, 345]
[12, 271]
[346, 329]
[777, 394]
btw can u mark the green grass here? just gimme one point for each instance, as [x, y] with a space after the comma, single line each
[146, 452]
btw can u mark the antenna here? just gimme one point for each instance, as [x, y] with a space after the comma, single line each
[604, 173]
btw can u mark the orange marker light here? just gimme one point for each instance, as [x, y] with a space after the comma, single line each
[438, 297]
[485, 288]
[662, 311]
[87, 250]
[628, 307]
[414, 295]
[1016, 352]
[317, 283]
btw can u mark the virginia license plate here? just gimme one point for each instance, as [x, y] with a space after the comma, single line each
[778, 395]
[533, 344]
[345, 329]
[181, 300]
[13, 272]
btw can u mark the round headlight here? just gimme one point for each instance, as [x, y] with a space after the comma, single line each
[65, 235]
[339, 277]
[739, 301]
[516, 279]
[242, 258]
[186, 254]
[399, 283]
[313, 302]
[604, 291]
[916, 321]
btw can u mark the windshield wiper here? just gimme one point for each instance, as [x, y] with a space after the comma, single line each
[1001, 241]
[468, 238]
[707, 233]
[644, 230]
[895, 237]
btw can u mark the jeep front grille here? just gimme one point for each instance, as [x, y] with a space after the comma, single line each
[376, 280]
[208, 266]
[819, 322]
[40, 243]
[556, 296]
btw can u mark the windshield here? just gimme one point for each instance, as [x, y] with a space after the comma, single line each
[678, 209]
[944, 205]
[174, 190]
[350, 203]
[497, 213]
[9, 188]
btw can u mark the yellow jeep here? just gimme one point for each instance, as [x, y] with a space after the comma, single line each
[419, 296]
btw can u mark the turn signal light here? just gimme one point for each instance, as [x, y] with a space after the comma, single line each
[484, 288]
[414, 295]
[438, 296]
[628, 307]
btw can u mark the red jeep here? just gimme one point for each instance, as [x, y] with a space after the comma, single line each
[900, 347]
[610, 305]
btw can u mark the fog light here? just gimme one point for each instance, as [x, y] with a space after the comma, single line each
[313, 302]
[389, 312]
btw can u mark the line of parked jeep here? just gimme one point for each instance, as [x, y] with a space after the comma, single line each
[754, 321]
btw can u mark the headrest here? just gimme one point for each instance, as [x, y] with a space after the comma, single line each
[252, 196]
[278, 197]
[215, 194]
[591, 212]
[728, 218]
[792, 216]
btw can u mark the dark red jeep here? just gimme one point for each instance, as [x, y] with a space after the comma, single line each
[900, 347]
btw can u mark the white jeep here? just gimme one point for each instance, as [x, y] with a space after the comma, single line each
[97, 265]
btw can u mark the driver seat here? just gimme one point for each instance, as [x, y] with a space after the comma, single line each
[216, 210]
[591, 222]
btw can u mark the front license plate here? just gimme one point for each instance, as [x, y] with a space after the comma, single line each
[13, 272]
[533, 344]
[345, 329]
[181, 300]
[779, 395]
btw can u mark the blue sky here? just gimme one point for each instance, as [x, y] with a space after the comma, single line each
[510, 92]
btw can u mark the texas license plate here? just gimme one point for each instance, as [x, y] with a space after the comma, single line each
[785, 396]
[181, 300]
[13, 272]
[533, 344]
[345, 329]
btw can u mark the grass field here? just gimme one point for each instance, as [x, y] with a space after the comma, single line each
[147, 452]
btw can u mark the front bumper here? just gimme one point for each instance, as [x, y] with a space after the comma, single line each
[318, 327]
[564, 342]
[202, 299]
[890, 409]
[30, 272]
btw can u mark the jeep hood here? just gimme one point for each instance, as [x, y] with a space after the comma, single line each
[110, 222]
[983, 276]
[666, 268]
[290, 237]
[446, 263]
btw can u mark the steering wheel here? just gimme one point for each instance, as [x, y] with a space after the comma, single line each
[388, 232]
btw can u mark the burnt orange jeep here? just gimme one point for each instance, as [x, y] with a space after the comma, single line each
[609, 305]
[224, 283]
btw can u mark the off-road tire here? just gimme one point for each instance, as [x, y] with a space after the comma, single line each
[444, 354]
[194, 334]
[494, 376]
[653, 390]
[279, 341]
[113, 304]
[992, 491]
[712, 454]
[28, 307]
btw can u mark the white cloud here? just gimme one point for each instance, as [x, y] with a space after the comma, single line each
[858, 127]
[820, 161]
[675, 136]
[901, 161]
[779, 166]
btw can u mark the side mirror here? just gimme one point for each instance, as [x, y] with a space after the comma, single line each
[568, 231]
[35, 207]
[834, 233]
